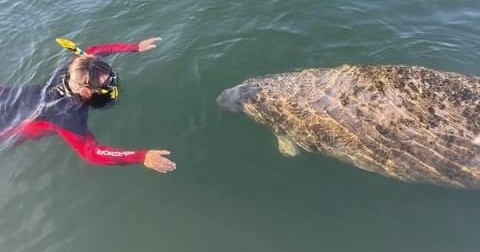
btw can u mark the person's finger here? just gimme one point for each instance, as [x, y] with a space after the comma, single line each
[162, 152]
[164, 161]
[151, 40]
[168, 166]
[158, 168]
[155, 39]
[146, 48]
[165, 169]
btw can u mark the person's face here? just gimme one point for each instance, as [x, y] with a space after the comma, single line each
[103, 79]
[80, 85]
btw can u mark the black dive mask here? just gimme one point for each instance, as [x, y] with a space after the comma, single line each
[105, 93]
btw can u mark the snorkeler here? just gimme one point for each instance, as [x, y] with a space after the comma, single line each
[61, 107]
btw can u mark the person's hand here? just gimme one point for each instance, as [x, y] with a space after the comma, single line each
[148, 44]
[154, 159]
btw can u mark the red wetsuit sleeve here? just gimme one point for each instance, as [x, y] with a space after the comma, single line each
[85, 145]
[107, 49]
[93, 152]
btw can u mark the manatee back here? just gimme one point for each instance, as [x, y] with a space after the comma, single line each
[411, 123]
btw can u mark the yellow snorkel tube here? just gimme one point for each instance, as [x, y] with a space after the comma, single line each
[69, 45]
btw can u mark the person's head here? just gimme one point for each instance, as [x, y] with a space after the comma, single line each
[93, 80]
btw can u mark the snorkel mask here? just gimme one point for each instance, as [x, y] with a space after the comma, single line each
[106, 93]
[110, 86]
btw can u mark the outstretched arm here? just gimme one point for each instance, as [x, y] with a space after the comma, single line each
[95, 153]
[111, 48]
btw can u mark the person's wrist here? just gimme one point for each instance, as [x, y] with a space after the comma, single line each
[147, 161]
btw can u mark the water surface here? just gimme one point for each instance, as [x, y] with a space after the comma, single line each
[232, 190]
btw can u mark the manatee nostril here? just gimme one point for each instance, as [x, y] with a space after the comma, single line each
[234, 98]
[229, 99]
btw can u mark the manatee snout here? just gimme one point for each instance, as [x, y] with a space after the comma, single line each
[233, 98]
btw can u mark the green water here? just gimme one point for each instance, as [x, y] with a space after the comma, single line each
[232, 190]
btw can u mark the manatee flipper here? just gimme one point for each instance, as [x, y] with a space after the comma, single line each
[287, 147]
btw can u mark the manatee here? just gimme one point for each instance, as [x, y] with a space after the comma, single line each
[405, 122]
